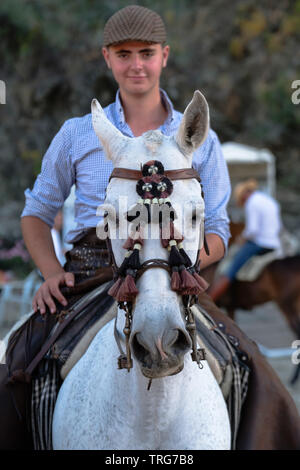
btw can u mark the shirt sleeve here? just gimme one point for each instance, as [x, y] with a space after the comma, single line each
[55, 180]
[210, 163]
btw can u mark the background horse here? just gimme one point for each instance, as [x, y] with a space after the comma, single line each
[278, 282]
[100, 407]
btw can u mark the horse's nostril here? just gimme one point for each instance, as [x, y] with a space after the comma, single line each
[180, 344]
[139, 350]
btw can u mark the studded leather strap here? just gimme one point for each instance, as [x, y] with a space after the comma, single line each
[180, 174]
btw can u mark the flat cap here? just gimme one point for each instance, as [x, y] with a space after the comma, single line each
[134, 23]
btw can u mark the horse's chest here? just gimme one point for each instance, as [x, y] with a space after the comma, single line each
[111, 409]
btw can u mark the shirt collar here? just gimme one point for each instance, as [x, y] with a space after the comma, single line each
[165, 99]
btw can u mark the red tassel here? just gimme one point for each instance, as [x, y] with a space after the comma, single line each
[169, 232]
[138, 237]
[175, 281]
[189, 285]
[176, 235]
[201, 281]
[130, 242]
[165, 233]
[113, 291]
[128, 290]
[128, 245]
[165, 236]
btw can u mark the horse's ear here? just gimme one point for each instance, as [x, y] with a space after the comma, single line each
[194, 125]
[110, 137]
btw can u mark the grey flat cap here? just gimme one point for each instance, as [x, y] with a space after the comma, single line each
[134, 23]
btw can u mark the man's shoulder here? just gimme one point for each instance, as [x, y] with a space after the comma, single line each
[84, 123]
[78, 123]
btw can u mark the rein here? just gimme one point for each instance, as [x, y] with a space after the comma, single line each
[151, 179]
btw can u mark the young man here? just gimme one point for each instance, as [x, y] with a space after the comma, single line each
[134, 49]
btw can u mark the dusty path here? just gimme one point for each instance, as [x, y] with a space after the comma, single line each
[266, 326]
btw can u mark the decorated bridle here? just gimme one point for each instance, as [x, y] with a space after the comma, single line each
[154, 186]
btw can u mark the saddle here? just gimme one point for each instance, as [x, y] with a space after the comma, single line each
[255, 265]
[251, 270]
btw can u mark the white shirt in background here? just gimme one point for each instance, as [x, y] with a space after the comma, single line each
[263, 221]
[58, 246]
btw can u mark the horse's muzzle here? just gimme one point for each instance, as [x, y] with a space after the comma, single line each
[162, 356]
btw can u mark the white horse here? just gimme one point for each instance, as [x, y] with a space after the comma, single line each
[101, 407]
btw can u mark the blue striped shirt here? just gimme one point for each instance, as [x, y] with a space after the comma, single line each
[75, 156]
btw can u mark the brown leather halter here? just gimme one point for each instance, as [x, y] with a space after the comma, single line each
[124, 361]
[180, 174]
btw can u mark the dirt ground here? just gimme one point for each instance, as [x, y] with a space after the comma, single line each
[267, 327]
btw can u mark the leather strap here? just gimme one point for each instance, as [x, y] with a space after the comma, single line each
[180, 174]
[154, 263]
[103, 274]
[72, 313]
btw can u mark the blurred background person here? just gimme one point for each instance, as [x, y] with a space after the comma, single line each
[261, 234]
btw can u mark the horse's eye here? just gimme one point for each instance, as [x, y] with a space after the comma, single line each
[194, 218]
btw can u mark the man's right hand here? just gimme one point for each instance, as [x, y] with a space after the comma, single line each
[49, 290]
[38, 240]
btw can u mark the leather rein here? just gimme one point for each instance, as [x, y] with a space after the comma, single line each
[124, 360]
